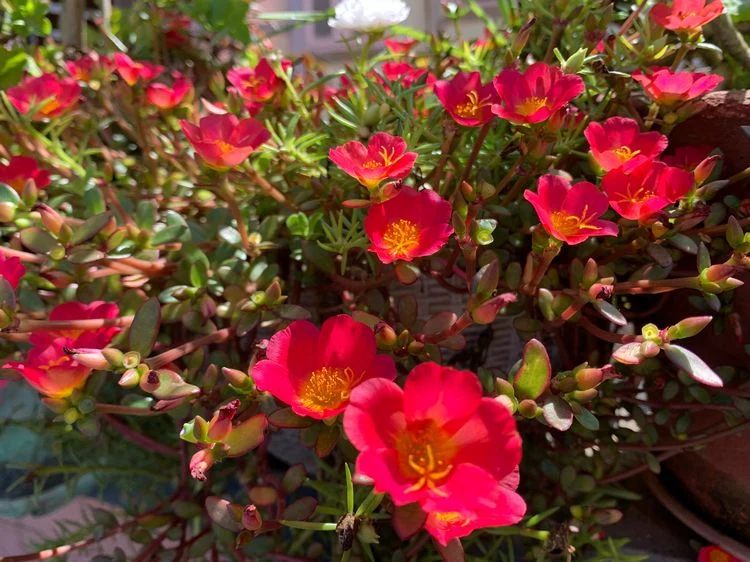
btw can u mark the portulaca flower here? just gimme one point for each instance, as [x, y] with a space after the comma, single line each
[368, 15]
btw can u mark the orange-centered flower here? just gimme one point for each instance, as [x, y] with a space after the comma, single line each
[570, 212]
[46, 96]
[535, 95]
[315, 371]
[257, 85]
[133, 71]
[670, 88]
[686, 15]
[412, 224]
[223, 141]
[466, 99]
[384, 157]
[21, 169]
[619, 141]
[440, 444]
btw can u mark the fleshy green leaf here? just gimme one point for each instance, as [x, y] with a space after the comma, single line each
[534, 374]
[145, 327]
[557, 413]
[693, 365]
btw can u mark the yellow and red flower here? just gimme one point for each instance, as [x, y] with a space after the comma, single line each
[570, 212]
[413, 224]
[533, 96]
[91, 66]
[695, 159]
[257, 85]
[441, 444]
[646, 189]
[466, 99]
[133, 71]
[618, 141]
[21, 169]
[50, 367]
[166, 97]
[11, 269]
[47, 95]
[686, 15]
[223, 141]
[384, 157]
[715, 553]
[667, 87]
[315, 371]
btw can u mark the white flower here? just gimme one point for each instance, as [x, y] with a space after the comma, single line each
[369, 15]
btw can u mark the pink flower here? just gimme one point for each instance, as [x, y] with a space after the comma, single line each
[438, 443]
[533, 96]
[21, 169]
[686, 15]
[91, 66]
[384, 157]
[132, 71]
[670, 88]
[647, 189]
[223, 141]
[167, 97]
[466, 99]
[619, 142]
[95, 338]
[694, 159]
[315, 371]
[407, 75]
[410, 225]
[257, 85]
[11, 269]
[400, 46]
[570, 212]
[48, 95]
[51, 371]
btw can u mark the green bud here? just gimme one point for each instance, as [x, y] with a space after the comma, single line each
[528, 408]
[7, 211]
[30, 193]
[688, 327]
[131, 359]
[71, 416]
[575, 61]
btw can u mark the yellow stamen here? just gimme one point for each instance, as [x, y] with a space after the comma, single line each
[473, 107]
[568, 224]
[624, 153]
[636, 197]
[450, 518]
[386, 156]
[426, 455]
[401, 237]
[529, 106]
[327, 388]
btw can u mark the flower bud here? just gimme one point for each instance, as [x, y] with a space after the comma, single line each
[130, 378]
[51, 219]
[718, 272]
[29, 194]
[650, 349]
[504, 387]
[113, 356]
[92, 358]
[520, 40]
[584, 395]
[385, 335]
[527, 408]
[167, 385]
[575, 61]
[705, 168]
[71, 416]
[221, 424]
[688, 327]
[235, 377]
[589, 378]
[7, 211]
[251, 519]
[131, 359]
[200, 463]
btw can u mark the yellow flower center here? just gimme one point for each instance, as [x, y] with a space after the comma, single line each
[450, 518]
[425, 453]
[62, 360]
[568, 224]
[401, 237]
[624, 153]
[386, 159]
[717, 555]
[225, 147]
[636, 197]
[327, 388]
[253, 82]
[473, 106]
[530, 106]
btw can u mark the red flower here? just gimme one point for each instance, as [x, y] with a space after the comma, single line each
[570, 212]
[11, 269]
[21, 169]
[132, 71]
[439, 443]
[715, 553]
[647, 189]
[686, 15]
[384, 157]
[667, 87]
[90, 67]
[493, 510]
[467, 100]
[694, 159]
[49, 367]
[533, 96]
[48, 95]
[168, 97]
[96, 338]
[51, 371]
[400, 46]
[406, 74]
[260, 84]
[315, 371]
[619, 142]
[410, 225]
[223, 141]
[176, 26]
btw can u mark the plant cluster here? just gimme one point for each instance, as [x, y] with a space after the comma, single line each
[201, 238]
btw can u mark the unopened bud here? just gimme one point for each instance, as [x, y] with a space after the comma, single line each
[705, 168]
[589, 378]
[251, 519]
[29, 194]
[584, 395]
[71, 416]
[235, 377]
[599, 291]
[650, 349]
[575, 61]
[92, 358]
[130, 378]
[7, 211]
[113, 356]
[527, 408]
[221, 424]
[504, 387]
[51, 219]
[688, 327]
[520, 40]
[718, 272]
[385, 335]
